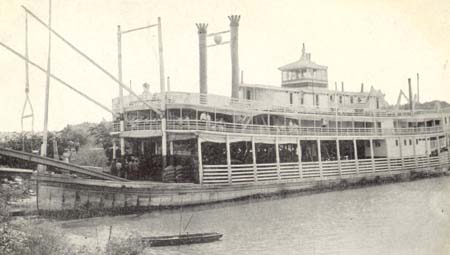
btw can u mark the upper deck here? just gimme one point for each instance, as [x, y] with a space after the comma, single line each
[381, 122]
[303, 105]
[222, 103]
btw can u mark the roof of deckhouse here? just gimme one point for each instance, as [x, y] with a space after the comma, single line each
[371, 92]
[303, 62]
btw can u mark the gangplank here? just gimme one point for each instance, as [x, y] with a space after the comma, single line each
[58, 164]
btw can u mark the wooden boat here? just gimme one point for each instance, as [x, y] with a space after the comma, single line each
[181, 239]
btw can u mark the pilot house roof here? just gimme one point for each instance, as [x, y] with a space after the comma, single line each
[302, 63]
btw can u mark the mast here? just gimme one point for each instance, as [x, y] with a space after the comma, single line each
[47, 85]
[119, 77]
[163, 97]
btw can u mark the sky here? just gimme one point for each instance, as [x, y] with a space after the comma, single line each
[379, 43]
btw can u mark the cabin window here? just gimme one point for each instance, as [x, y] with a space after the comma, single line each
[293, 76]
[396, 143]
[291, 98]
[317, 100]
[249, 95]
[378, 104]
[351, 100]
[417, 141]
[404, 142]
[302, 99]
[340, 99]
[331, 98]
[410, 142]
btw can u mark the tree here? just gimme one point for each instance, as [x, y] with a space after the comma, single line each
[101, 133]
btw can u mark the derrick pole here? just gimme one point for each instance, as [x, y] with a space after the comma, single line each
[47, 87]
[119, 77]
[163, 97]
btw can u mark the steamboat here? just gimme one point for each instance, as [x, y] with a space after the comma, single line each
[177, 149]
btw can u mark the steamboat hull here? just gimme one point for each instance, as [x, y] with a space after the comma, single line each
[64, 197]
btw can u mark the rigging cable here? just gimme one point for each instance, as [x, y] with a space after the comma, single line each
[27, 90]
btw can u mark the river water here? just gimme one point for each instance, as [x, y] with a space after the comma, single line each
[402, 218]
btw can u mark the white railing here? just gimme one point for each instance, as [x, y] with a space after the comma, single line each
[226, 127]
[245, 173]
[143, 125]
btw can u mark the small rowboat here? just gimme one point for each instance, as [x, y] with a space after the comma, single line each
[181, 239]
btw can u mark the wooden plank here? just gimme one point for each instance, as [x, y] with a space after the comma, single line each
[58, 164]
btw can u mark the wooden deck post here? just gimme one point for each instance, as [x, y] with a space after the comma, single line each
[400, 146]
[438, 144]
[372, 156]
[428, 149]
[448, 144]
[171, 158]
[416, 163]
[227, 143]
[319, 156]
[277, 154]
[299, 151]
[355, 151]
[122, 139]
[338, 152]
[255, 168]
[200, 161]
[388, 157]
[114, 149]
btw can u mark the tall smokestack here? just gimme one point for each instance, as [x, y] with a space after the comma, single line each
[342, 86]
[418, 98]
[410, 95]
[362, 87]
[202, 33]
[234, 25]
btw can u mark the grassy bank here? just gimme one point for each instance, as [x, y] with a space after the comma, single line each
[34, 236]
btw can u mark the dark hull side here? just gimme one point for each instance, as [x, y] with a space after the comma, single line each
[181, 239]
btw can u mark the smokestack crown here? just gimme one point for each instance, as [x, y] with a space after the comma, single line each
[234, 20]
[201, 27]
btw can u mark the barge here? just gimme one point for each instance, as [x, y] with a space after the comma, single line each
[179, 149]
